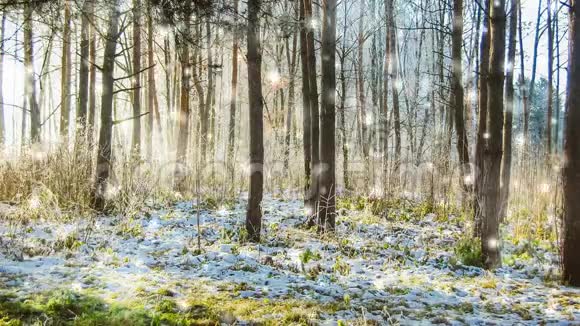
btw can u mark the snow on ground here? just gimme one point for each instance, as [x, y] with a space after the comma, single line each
[388, 271]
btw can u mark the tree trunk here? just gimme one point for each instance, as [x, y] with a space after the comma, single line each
[233, 95]
[254, 212]
[509, 102]
[327, 130]
[291, 59]
[93, 77]
[65, 74]
[152, 105]
[571, 236]
[105, 134]
[522, 78]
[342, 118]
[550, 106]
[184, 111]
[2, 122]
[306, 117]
[458, 96]
[482, 120]
[30, 87]
[314, 113]
[82, 107]
[361, 90]
[395, 89]
[392, 61]
[533, 76]
[493, 150]
[557, 137]
[136, 140]
[385, 113]
[209, 114]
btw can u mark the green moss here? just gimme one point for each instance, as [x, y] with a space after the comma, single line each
[68, 308]
[198, 308]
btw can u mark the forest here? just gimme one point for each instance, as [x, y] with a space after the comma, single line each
[289, 162]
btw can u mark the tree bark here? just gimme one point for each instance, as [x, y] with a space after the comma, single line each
[306, 116]
[92, 77]
[493, 150]
[395, 89]
[136, 140]
[327, 130]
[550, 106]
[458, 96]
[209, 113]
[106, 131]
[2, 122]
[522, 78]
[254, 211]
[509, 102]
[233, 95]
[571, 236]
[291, 59]
[533, 76]
[65, 74]
[361, 90]
[152, 104]
[482, 120]
[82, 107]
[314, 113]
[30, 87]
[184, 110]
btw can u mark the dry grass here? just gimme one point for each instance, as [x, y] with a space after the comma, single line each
[57, 183]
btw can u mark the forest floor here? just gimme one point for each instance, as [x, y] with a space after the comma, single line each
[375, 270]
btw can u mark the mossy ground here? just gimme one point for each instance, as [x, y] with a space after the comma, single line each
[65, 307]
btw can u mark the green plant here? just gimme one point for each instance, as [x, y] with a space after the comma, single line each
[346, 299]
[468, 251]
[341, 267]
[306, 256]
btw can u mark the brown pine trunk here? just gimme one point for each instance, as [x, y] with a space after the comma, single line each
[65, 73]
[327, 129]
[571, 236]
[106, 131]
[136, 139]
[458, 96]
[493, 150]
[509, 102]
[254, 212]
